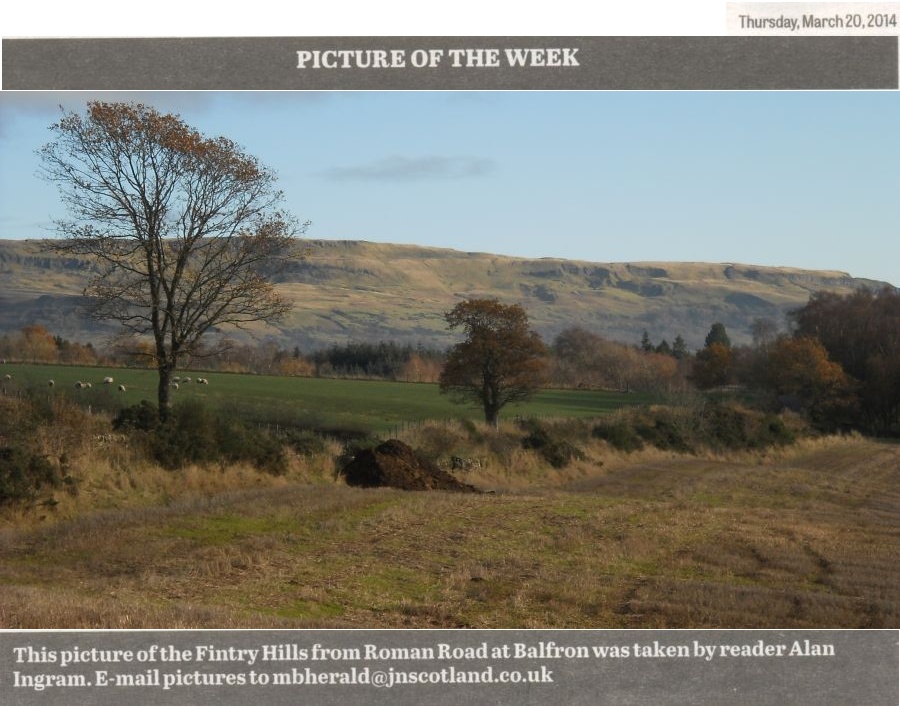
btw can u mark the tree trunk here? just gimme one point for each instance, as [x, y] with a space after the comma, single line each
[492, 415]
[165, 404]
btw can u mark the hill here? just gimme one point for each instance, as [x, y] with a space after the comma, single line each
[357, 290]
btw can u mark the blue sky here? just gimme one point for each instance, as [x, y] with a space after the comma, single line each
[802, 179]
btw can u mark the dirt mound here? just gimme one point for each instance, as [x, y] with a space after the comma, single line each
[395, 464]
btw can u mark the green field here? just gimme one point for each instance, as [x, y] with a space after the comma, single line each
[376, 406]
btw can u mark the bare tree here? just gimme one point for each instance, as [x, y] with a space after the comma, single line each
[186, 230]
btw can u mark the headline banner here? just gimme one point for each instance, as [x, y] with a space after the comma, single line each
[460, 63]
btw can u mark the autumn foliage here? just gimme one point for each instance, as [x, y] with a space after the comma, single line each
[186, 229]
[861, 333]
[799, 368]
[501, 360]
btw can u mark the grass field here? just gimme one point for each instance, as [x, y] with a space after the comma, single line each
[377, 406]
[807, 537]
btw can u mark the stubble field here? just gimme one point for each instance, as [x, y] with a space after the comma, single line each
[805, 537]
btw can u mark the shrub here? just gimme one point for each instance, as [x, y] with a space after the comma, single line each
[307, 443]
[716, 425]
[438, 440]
[195, 435]
[144, 416]
[661, 428]
[619, 434]
[774, 432]
[238, 442]
[728, 426]
[556, 451]
[503, 445]
[471, 429]
[189, 435]
[23, 473]
[723, 426]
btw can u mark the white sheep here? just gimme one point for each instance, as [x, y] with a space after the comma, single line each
[79, 385]
[121, 388]
[88, 385]
[7, 377]
[51, 382]
[108, 380]
[202, 381]
[176, 379]
[175, 386]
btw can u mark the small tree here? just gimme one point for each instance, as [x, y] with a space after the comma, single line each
[185, 229]
[717, 335]
[765, 333]
[38, 344]
[712, 366]
[800, 367]
[501, 360]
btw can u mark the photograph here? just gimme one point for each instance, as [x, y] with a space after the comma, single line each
[651, 337]
[343, 362]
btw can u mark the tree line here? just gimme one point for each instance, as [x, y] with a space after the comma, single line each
[838, 363]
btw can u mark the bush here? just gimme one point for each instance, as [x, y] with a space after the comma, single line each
[438, 440]
[470, 428]
[23, 473]
[189, 435]
[619, 434]
[557, 452]
[195, 435]
[773, 432]
[715, 425]
[307, 443]
[144, 416]
[240, 443]
[663, 429]
[722, 426]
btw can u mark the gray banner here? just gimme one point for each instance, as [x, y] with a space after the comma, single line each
[478, 63]
[449, 667]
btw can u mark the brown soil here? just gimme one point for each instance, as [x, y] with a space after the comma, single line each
[395, 464]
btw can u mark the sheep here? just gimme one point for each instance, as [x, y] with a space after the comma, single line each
[176, 379]
[108, 380]
[7, 377]
[187, 379]
[121, 388]
[79, 385]
[202, 381]
[88, 385]
[175, 386]
[51, 382]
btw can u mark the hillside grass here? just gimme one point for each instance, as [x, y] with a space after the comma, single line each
[804, 536]
[376, 291]
[368, 406]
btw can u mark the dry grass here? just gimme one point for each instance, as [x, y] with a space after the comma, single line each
[805, 537]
